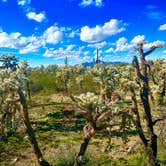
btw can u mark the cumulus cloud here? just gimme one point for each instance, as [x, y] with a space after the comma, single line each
[37, 17]
[99, 33]
[53, 35]
[27, 44]
[122, 44]
[19, 42]
[137, 39]
[75, 55]
[97, 3]
[9, 40]
[162, 27]
[61, 53]
[29, 49]
[164, 51]
[155, 43]
[30, 12]
[33, 44]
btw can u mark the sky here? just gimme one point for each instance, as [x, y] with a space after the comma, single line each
[44, 32]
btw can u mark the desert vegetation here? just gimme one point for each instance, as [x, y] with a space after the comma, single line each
[78, 115]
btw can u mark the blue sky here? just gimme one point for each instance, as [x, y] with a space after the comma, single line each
[45, 32]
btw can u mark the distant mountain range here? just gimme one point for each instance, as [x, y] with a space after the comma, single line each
[105, 63]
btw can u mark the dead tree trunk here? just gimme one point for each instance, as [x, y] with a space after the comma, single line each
[30, 131]
[137, 119]
[142, 74]
[89, 132]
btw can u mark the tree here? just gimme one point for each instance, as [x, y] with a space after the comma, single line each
[141, 70]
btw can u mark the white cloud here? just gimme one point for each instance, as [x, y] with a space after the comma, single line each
[23, 2]
[53, 35]
[97, 3]
[33, 44]
[9, 40]
[98, 45]
[162, 27]
[72, 34]
[99, 33]
[19, 42]
[30, 12]
[155, 43]
[37, 17]
[137, 39]
[164, 51]
[122, 44]
[23, 44]
[86, 58]
[70, 47]
[29, 49]
[74, 56]
[85, 3]
[109, 50]
[86, 53]
[61, 53]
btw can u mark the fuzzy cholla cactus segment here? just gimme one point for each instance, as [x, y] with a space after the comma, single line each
[11, 79]
[89, 101]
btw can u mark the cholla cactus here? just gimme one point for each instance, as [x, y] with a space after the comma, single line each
[158, 78]
[9, 61]
[127, 79]
[107, 77]
[100, 114]
[79, 80]
[93, 107]
[13, 83]
[89, 101]
[64, 75]
[10, 80]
